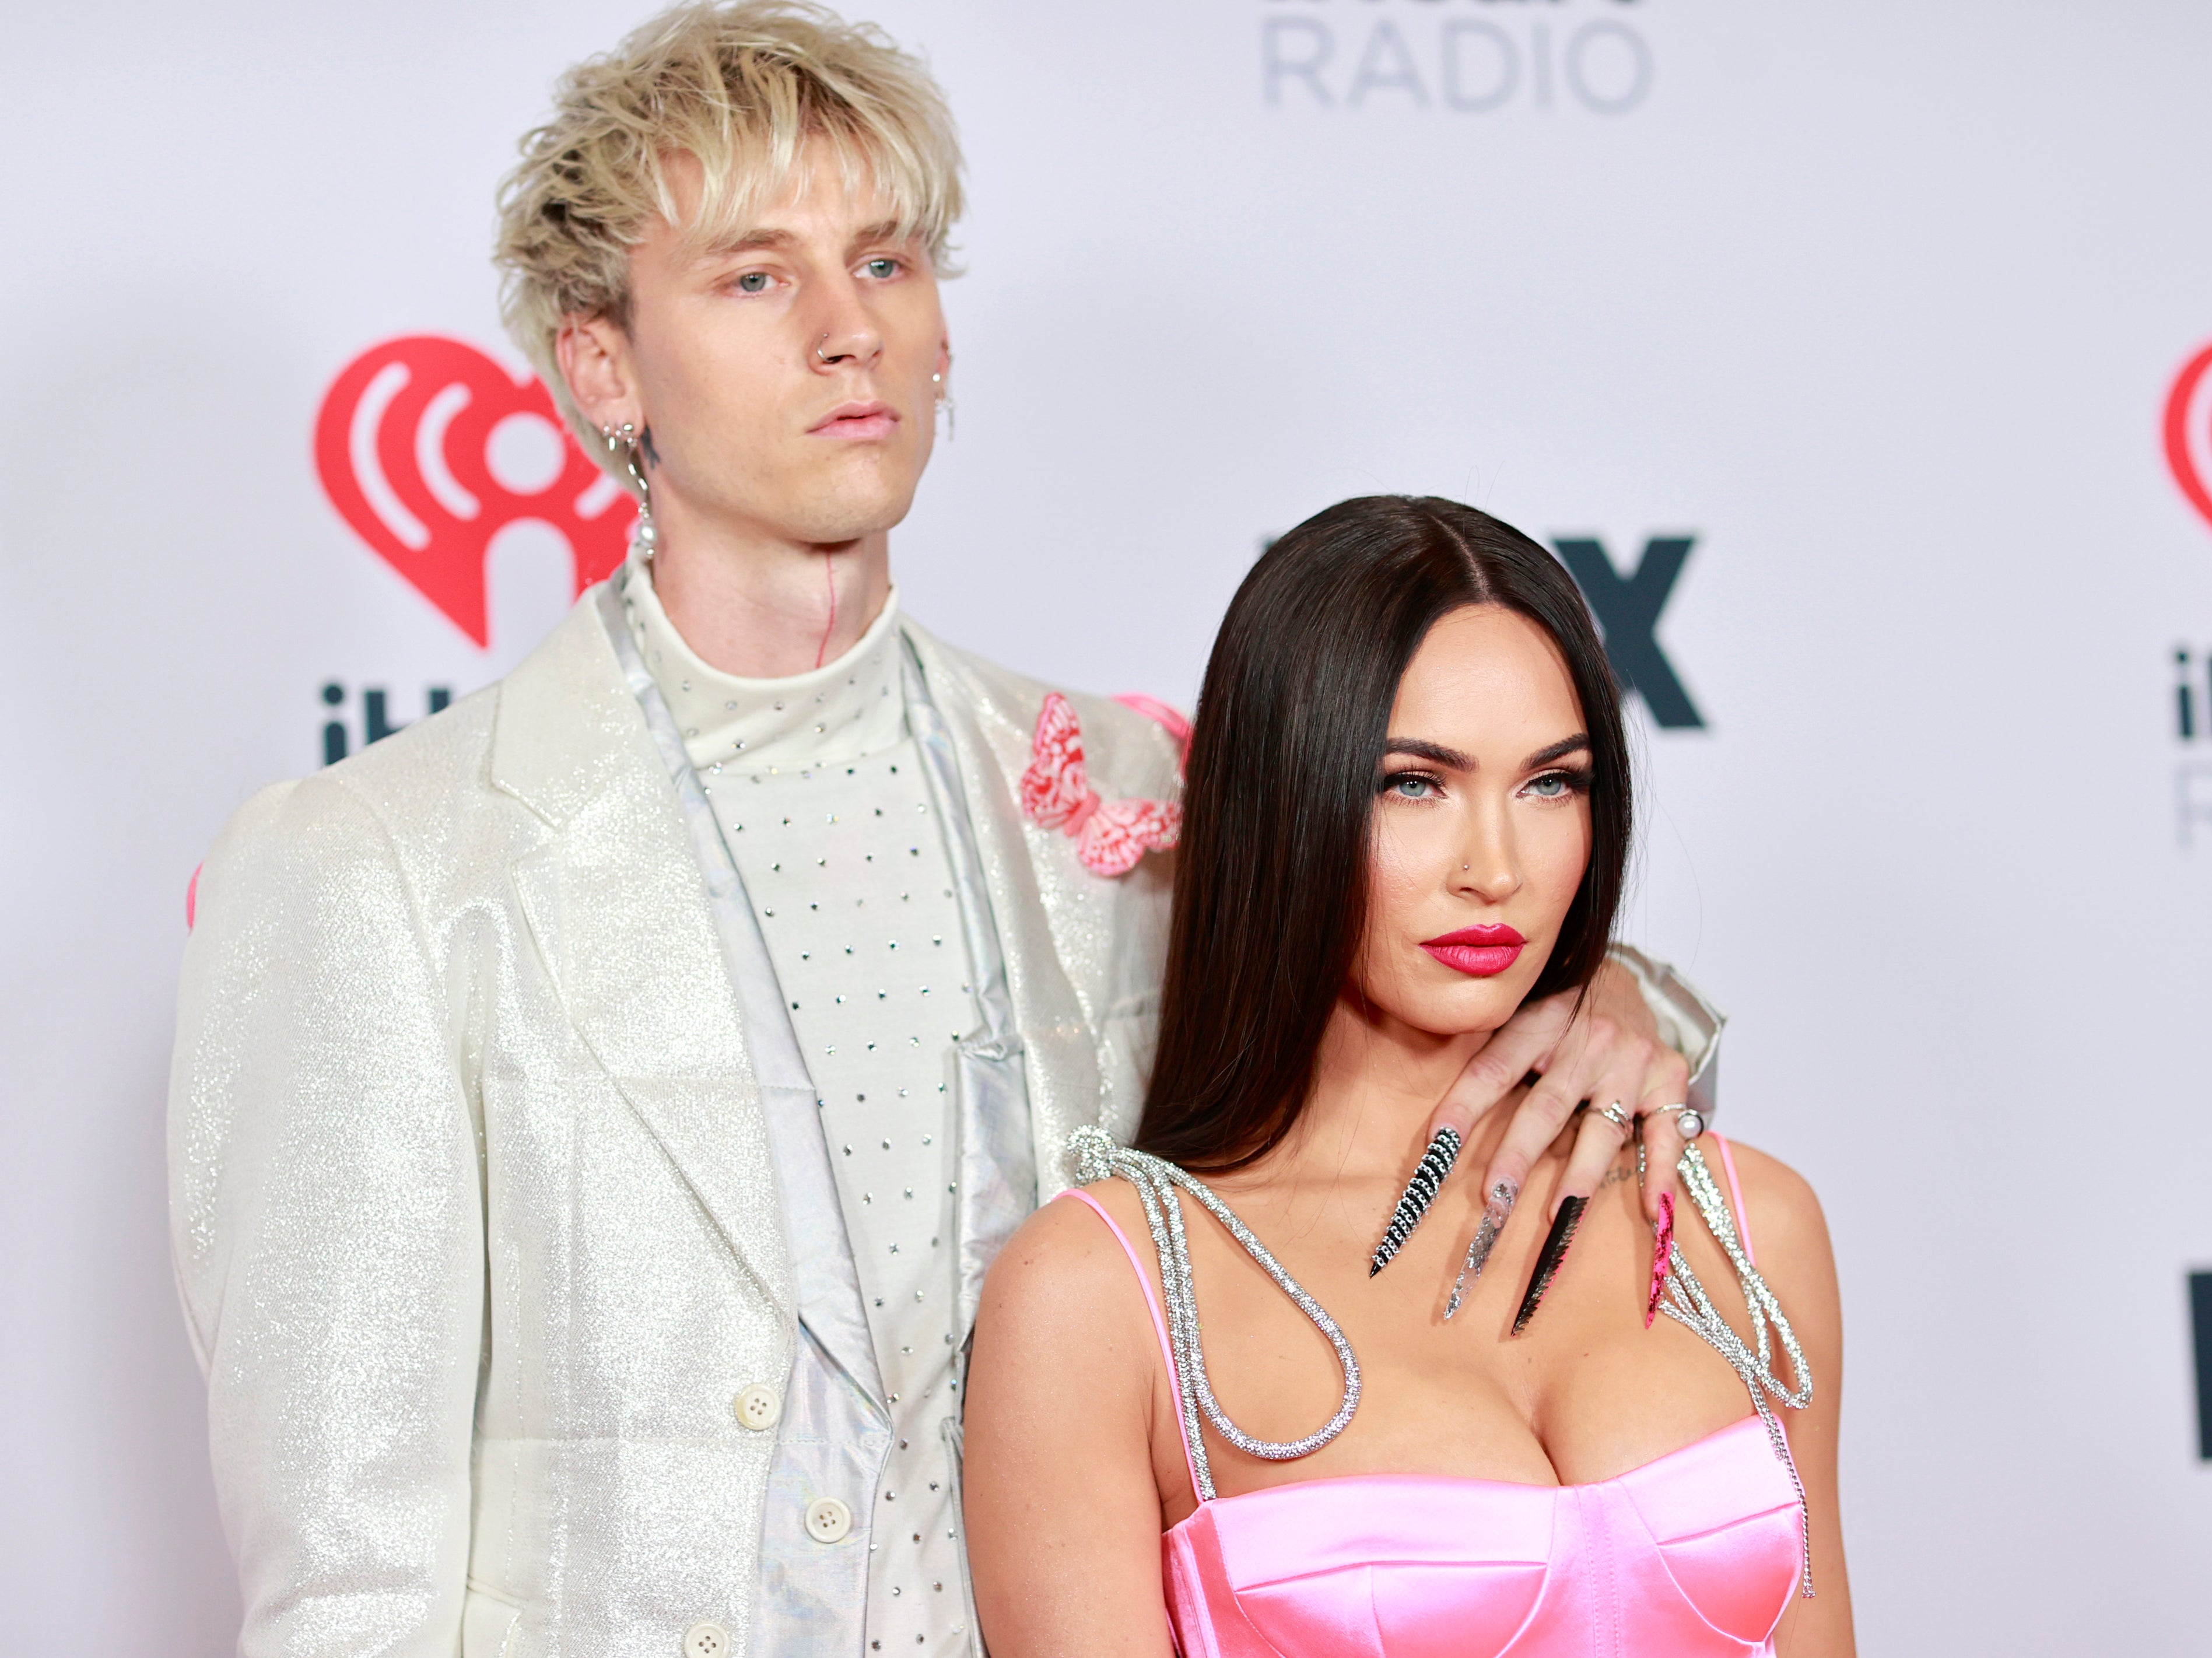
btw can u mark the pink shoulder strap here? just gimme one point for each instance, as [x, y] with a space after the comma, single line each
[1735, 1202]
[1159, 1324]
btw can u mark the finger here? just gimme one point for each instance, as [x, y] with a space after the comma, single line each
[1597, 1146]
[1666, 1082]
[1511, 1052]
[1598, 1142]
[1537, 1121]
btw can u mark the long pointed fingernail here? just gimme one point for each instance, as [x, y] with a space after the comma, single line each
[1421, 1192]
[1494, 1214]
[1550, 1259]
[1660, 1250]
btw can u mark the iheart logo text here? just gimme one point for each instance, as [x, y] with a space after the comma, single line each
[2188, 433]
[428, 449]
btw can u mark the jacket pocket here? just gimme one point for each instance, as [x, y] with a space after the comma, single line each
[488, 1625]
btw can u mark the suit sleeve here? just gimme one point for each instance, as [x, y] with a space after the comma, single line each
[326, 1220]
[1687, 1023]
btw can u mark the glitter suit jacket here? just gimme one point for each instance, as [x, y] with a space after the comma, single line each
[472, 1205]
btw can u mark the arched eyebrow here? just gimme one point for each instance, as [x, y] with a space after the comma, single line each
[1559, 750]
[1422, 750]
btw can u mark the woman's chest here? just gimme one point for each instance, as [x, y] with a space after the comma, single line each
[1585, 1393]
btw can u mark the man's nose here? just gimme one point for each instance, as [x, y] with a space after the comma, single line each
[845, 335]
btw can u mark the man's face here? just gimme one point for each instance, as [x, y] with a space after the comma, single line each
[785, 378]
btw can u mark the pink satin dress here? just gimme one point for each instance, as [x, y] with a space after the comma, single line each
[1695, 1555]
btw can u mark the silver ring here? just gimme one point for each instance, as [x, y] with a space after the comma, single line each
[1620, 1118]
[819, 352]
[1691, 1121]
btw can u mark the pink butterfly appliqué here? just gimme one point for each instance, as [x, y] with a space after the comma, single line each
[1111, 836]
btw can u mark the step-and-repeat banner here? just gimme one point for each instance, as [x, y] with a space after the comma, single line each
[1854, 357]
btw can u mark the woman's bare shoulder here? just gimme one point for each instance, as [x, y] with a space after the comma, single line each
[1788, 1237]
[1785, 1216]
[1063, 1273]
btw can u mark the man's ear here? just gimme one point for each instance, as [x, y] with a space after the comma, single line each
[595, 357]
[945, 355]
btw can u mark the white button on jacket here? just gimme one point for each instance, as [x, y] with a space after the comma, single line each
[705, 1641]
[828, 1521]
[758, 1406]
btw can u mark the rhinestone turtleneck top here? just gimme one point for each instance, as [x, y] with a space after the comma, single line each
[818, 786]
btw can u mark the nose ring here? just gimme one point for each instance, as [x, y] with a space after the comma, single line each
[820, 353]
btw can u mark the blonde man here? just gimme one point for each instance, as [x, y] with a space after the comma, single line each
[594, 1108]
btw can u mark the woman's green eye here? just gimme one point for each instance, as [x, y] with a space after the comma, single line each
[753, 282]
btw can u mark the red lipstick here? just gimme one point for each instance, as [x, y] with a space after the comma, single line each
[1479, 952]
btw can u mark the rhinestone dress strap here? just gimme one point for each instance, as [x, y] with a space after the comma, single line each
[1077, 1195]
[1687, 1304]
[1097, 1156]
[1735, 1195]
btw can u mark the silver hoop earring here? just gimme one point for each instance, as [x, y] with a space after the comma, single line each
[624, 444]
[946, 406]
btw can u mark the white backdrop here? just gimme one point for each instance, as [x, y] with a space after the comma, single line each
[1879, 303]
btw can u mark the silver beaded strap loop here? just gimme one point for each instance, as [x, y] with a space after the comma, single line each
[1098, 1157]
[1688, 1304]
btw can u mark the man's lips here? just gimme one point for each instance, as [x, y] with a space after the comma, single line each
[856, 419]
[1481, 952]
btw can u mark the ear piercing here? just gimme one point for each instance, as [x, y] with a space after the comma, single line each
[624, 443]
[1421, 1192]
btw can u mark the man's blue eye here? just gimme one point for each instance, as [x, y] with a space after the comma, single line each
[753, 282]
[883, 267]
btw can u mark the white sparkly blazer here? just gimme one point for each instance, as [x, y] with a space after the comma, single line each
[475, 1216]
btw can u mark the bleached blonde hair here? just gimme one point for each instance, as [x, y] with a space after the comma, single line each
[742, 88]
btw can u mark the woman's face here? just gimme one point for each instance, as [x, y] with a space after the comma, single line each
[1481, 827]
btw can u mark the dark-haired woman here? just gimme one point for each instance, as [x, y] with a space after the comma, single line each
[1279, 1390]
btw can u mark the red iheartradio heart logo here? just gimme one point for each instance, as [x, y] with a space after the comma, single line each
[2189, 449]
[428, 449]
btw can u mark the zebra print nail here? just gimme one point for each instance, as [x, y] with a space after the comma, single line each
[1421, 1192]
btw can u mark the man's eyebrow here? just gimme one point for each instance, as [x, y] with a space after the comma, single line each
[1565, 746]
[749, 241]
[1423, 750]
[883, 230]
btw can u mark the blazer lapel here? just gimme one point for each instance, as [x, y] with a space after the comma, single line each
[619, 911]
[1061, 1054]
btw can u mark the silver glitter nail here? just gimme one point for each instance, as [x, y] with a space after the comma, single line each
[1494, 1214]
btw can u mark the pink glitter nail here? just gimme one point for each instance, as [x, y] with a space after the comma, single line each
[1659, 1251]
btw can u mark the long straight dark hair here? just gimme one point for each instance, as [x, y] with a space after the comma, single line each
[1271, 877]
